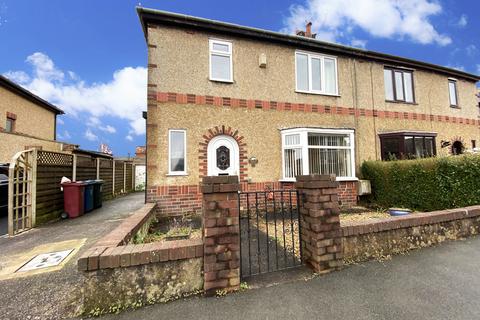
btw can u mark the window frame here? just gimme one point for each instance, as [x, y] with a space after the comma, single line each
[177, 173]
[455, 83]
[303, 132]
[402, 145]
[394, 85]
[321, 57]
[12, 124]
[212, 52]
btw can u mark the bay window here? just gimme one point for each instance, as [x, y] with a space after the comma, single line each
[318, 151]
[407, 145]
[316, 73]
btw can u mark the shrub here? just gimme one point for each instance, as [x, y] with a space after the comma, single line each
[425, 184]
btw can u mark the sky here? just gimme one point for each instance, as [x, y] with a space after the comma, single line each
[89, 57]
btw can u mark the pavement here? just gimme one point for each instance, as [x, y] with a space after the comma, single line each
[441, 282]
[52, 295]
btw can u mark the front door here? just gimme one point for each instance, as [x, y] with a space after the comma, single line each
[223, 158]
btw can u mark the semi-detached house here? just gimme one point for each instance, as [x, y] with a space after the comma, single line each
[225, 99]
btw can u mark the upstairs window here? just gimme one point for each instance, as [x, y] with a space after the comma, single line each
[10, 123]
[316, 73]
[318, 151]
[177, 150]
[221, 61]
[398, 85]
[452, 90]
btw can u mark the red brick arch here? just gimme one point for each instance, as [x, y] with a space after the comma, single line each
[217, 131]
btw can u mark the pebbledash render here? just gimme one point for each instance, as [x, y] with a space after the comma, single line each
[224, 99]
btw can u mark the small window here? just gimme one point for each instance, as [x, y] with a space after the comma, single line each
[221, 61]
[398, 85]
[316, 73]
[452, 90]
[474, 144]
[177, 150]
[10, 125]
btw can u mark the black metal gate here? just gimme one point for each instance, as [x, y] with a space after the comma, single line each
[269, 231]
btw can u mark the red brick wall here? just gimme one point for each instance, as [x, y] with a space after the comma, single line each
[177, 200]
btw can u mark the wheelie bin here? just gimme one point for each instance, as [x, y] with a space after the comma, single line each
[97, 193]
[74, 198]
[88, 195]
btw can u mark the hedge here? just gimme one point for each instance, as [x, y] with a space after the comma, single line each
[425, 184]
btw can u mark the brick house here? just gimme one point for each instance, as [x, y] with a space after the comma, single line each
[227, 99]
[26, 121]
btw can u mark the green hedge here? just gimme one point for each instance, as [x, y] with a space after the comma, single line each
[425, 184]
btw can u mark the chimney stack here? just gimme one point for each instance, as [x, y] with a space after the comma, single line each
[308, 31]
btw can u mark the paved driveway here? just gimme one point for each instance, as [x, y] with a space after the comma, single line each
[52, 295]
[434, 283]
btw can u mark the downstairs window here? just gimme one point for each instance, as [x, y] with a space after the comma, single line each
[318, 151]
[407, 145]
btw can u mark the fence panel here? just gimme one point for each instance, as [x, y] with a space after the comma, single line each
[106, 169]
[118, 176]
[86, 168]
[51, 167]
[129, 177]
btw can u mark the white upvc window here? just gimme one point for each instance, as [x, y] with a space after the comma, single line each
[177, 152]
[315, 73]
[221, 65]
[318, 151]
[452, 91]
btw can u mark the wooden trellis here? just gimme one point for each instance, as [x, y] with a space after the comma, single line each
[22, 192]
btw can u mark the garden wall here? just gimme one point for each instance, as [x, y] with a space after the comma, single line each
[120, 275]
[379, 239]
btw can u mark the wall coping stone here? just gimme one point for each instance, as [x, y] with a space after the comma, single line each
[113, 250]
[354, 228]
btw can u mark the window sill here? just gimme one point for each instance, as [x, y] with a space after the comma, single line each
[180, 174]
[318, 93]
[402, 102]
[221, 81]
[455, 107]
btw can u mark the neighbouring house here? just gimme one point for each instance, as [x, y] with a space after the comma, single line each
[225, 99]
[26, 121]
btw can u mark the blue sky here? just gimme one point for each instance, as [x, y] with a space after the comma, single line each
[89, 57]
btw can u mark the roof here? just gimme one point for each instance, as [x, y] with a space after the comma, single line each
[15, 88]
[92, 153]
[160, 17]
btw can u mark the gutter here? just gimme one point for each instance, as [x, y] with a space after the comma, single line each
[160, 17]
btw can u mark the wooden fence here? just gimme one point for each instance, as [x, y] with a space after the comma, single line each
[52, 166]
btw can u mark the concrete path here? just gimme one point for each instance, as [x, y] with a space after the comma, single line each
[435, 283]
[52, 295]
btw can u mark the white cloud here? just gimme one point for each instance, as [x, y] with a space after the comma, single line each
[96, 123]
[20, 77]
[65, 135]
[394, 19]
[456, 67]
[60, 121]
[89, 135]
[129, 138]
[463, 21]
[123, 97]
[358, 43]
[471, 50]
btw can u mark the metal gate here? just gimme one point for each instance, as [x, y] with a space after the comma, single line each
[22, 192]
[269, 231]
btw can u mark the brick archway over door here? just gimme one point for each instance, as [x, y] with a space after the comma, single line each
[203, 149]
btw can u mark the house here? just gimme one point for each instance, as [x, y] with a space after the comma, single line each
[225, 99]
[26, 121]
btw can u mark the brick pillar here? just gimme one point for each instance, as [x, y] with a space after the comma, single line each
[221, 233]
[320, 222]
